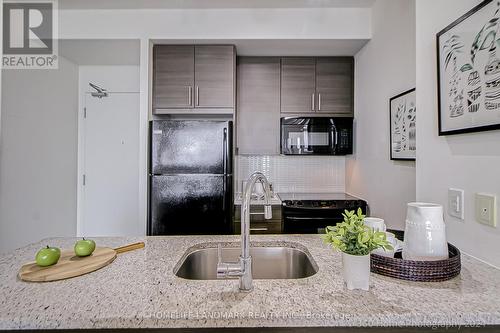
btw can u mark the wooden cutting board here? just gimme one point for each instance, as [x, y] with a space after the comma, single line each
[69, 265]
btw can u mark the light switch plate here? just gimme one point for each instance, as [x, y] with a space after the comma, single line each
[456, 203]
[486, 209]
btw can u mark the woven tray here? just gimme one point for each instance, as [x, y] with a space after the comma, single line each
[411, 270]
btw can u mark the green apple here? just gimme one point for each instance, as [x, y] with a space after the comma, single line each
[84, 247]
[47, 256]
[91, 242]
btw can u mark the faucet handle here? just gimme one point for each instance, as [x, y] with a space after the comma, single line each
[268, 212]
[227, 269]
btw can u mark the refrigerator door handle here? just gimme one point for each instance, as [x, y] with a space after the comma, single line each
[228, 134]
[224, 162]
[224, 151]
[224, 197]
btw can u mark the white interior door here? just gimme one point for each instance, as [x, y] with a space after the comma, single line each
[111, 166]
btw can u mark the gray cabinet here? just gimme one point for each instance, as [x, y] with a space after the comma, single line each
[173, 81]
[258, 118]
[214, 73]
[193, 79]
[258, 224]
[335, 85]
[317, 85]
[298, 84]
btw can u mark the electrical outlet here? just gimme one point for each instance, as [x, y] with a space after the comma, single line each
[486, 209]
[456, 203]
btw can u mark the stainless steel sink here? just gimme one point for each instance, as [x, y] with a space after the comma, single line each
[275, 262]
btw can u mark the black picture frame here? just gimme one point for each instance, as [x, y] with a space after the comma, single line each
[441, 130]
[391, 150]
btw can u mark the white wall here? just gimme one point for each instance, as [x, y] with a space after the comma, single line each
[38, 161]
[39, 154]
[384, 68]
[469, 161]
[1, 53]
[112, 78]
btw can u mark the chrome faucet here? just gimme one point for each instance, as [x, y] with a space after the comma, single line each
[243, 268]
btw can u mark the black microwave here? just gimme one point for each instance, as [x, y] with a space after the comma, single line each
[316, 136]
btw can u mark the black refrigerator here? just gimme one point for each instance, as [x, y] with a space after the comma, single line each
[191, 177]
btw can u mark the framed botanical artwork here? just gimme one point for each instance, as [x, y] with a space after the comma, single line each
[468, 57]
[402, 118]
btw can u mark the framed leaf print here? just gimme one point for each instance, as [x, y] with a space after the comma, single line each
[403, 127]
[468, 55]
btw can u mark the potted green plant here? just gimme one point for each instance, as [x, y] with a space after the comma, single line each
[356, 241]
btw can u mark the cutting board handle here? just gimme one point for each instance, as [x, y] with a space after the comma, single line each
[130, 247]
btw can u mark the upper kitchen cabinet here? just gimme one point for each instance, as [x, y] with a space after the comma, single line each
[258, 118]
[298, 84]
[317, 85]
[194, 79]
[335, 85]
[214, 73]
[173, 80]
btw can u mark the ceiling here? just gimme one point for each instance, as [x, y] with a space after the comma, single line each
[211, 4]
[101, 52]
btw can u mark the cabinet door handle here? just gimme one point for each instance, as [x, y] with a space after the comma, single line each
[190, 96]
[258, 229]
[312, 101]
[319, 101]
[197, 96]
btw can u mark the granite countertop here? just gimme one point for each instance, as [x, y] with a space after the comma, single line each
[139, 290]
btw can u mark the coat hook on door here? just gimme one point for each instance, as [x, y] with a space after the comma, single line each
[100, 93]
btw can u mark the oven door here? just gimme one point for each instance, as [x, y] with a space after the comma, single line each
[308, 225]
[308, 136]
[309, 220]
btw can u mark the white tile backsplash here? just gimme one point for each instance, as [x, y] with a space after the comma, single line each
[295, 173]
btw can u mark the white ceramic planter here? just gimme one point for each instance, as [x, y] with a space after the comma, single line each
[356, 271]
[425, 234]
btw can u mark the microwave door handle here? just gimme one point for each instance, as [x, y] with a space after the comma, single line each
[335, 138]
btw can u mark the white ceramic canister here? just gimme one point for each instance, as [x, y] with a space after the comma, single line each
[425, 232]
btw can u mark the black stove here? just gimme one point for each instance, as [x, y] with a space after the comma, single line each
[340, 196]
[310, 213]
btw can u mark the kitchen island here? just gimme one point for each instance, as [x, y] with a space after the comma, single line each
[139, 290]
